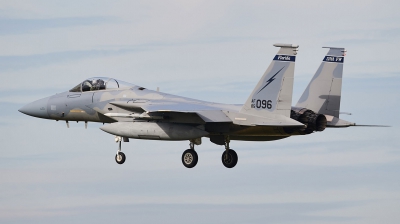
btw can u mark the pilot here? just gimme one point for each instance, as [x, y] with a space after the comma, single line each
[98, 85]
[101, 84]
[94, 85]
[86, 85]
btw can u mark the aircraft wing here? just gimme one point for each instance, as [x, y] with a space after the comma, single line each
[180, 112]
[161, 106]
[187, 112]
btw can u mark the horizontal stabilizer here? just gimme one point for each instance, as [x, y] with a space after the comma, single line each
[277, 120]
[372, 125]
[334, 122]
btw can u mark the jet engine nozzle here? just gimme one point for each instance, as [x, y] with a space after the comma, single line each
[320, 122]
[314, 121]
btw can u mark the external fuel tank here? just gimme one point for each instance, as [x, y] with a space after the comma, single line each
[154, 130]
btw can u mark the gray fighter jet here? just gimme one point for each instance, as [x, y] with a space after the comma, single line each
[132, 111]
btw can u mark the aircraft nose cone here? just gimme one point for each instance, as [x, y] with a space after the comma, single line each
[37, 108]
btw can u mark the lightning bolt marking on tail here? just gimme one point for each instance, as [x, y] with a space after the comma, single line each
[270, 80]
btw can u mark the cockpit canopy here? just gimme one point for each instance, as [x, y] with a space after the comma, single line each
[100, 83]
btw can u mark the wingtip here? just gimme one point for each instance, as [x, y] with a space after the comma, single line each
[335, 48]
[286, 45]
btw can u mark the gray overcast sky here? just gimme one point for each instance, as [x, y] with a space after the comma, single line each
[209, 50]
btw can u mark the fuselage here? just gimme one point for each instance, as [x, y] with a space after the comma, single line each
[94, 106]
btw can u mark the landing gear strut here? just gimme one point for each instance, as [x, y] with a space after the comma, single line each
[229, 157]
[189, 156]
[120, 156]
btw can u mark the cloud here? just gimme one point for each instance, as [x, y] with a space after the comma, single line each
[11, 26]
[18, 62]
[198, 213]
[214, 51]
[10, 63]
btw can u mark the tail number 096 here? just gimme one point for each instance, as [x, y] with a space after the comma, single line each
[257, 103]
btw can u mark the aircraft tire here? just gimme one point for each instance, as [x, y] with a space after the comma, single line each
[189, 158]
[232, 159]
[120, 158]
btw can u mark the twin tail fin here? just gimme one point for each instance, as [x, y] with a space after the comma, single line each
[323, 93]
[273, 93]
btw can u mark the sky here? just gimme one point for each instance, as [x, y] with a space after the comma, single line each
[208, 50]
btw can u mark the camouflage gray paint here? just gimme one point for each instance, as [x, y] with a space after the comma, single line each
[323, 93]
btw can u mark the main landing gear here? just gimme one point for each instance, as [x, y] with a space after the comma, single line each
[190, 157]
[229, 156]
[120, 156]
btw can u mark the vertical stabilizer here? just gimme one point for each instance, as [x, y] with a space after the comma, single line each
[323, 93]
[273, 93]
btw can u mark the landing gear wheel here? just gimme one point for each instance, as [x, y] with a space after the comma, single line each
[229, 160]
[120, 157]
[189, 158]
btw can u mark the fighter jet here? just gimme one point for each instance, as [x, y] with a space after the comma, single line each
[131, 111]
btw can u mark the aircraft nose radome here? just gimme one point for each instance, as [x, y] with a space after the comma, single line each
[37, 108]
